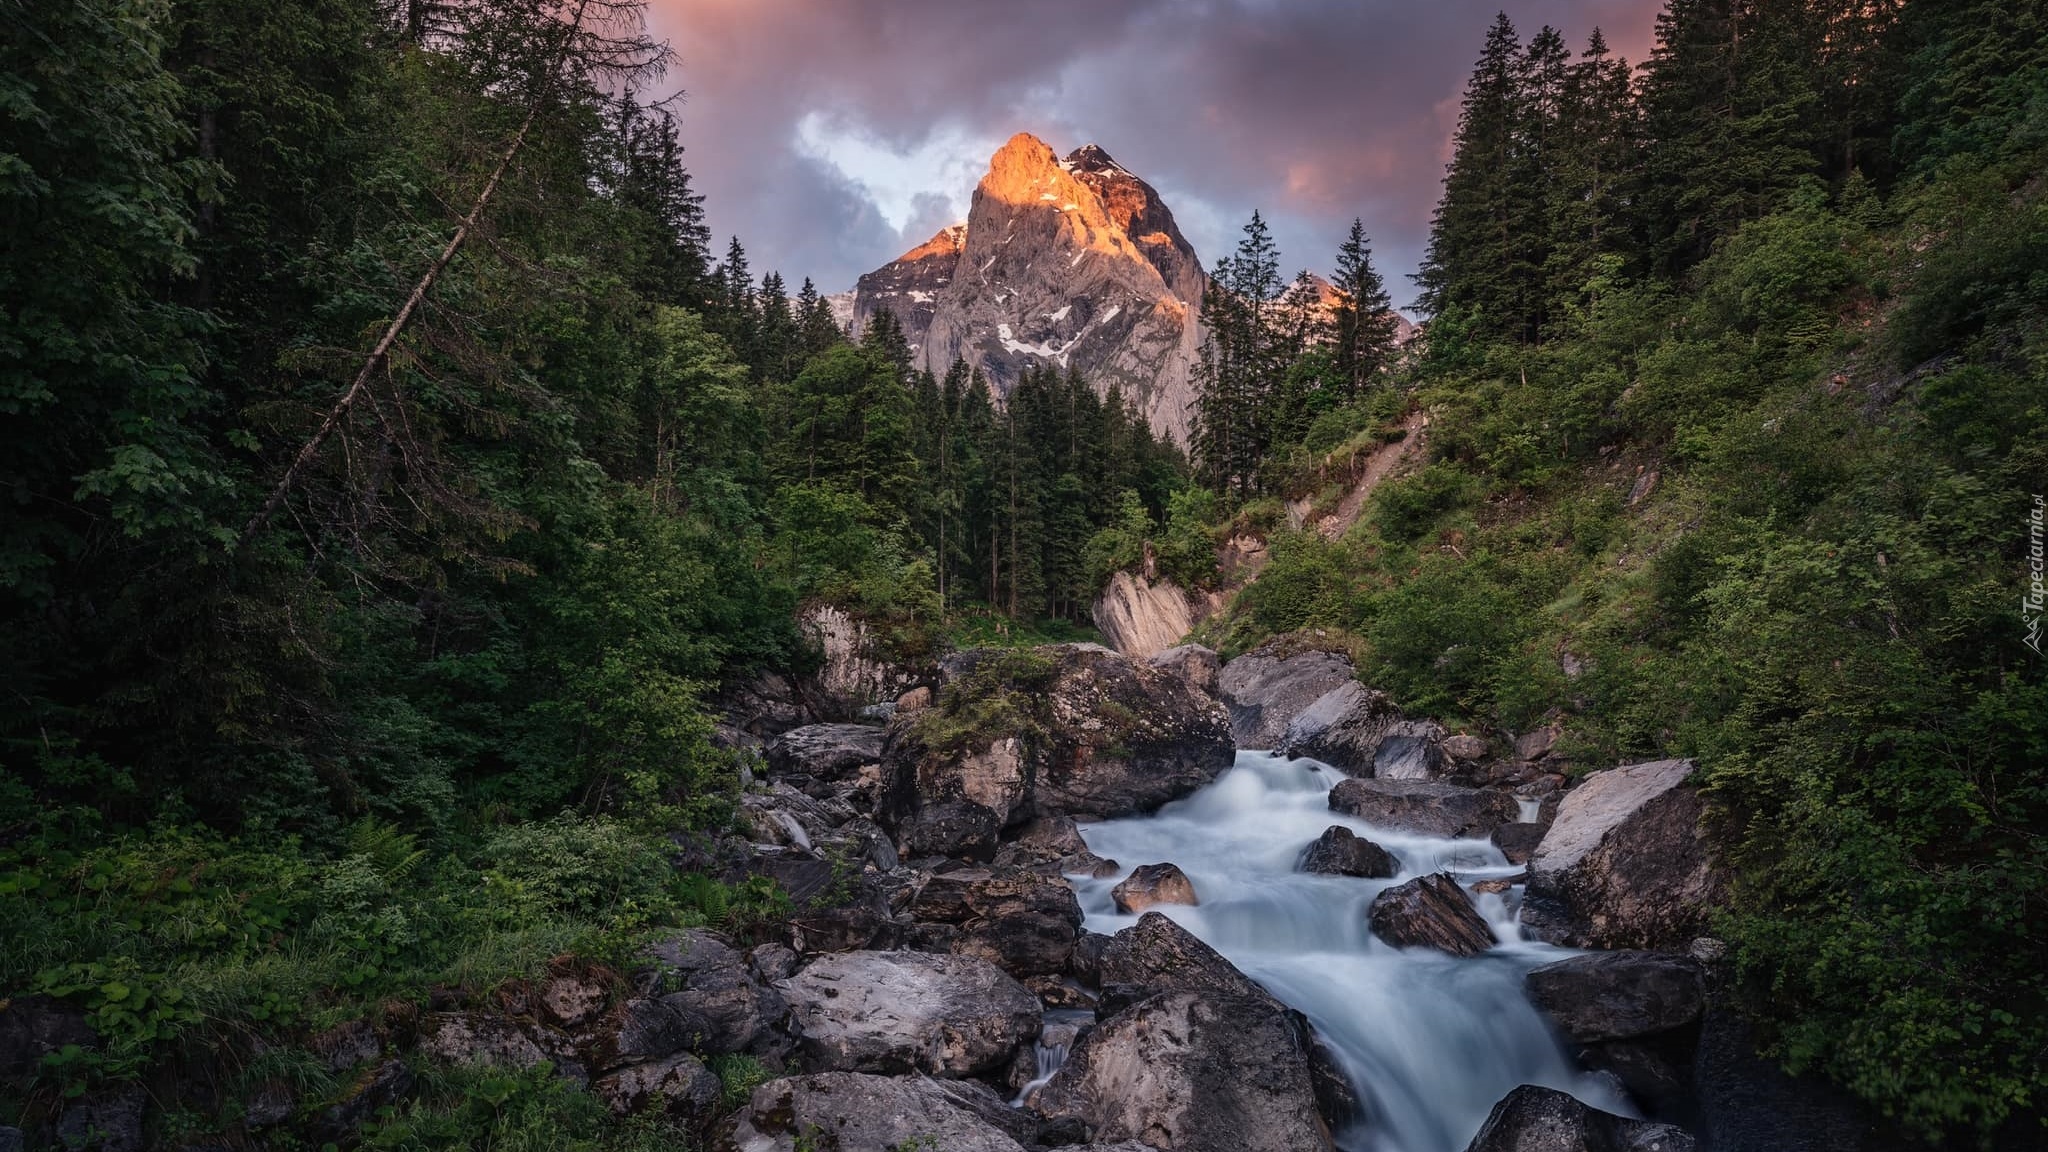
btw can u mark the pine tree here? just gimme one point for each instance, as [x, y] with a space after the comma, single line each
[1239, 362]
[1597, 161]
[816, 330]
[1475, 264]
[777, 347]
[1363, 322]
[738, 312]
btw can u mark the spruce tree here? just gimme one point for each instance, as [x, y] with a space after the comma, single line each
[1363, 322]
[1474, 264]
[1597, 161]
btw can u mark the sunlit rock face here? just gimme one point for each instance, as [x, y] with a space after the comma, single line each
[1068, 263]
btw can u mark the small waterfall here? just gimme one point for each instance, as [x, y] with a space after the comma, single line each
[1532, 809]
[1431, 1042]
[793, 830]
[1055, 1039]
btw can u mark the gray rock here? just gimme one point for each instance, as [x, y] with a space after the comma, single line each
[824, 751]
[1094, 736]
[642, 1028]
[1536, 1119]
[1518, 841]
[1535, 745]
[270, 1104]
[772, 962]
[1342, 852]
[109, 1120]
[1156, 955]
[1342, 728]
[1194, 1072]
[896, 1012]
[1151, 884]
[1411, 750]
[1425, 806]
[1023, 921]
[32, 1027]
[573, 998]
[1265, 692]
[1619, 995]
[1465, 747]
[679, 1086]
[1142, 617]
[478, 1038]
[1432, 912]
[1624, 864]
[1193, 663]
[719, 989]
[852, 1112]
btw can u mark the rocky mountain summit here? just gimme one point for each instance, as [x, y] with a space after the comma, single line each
[1068, 263]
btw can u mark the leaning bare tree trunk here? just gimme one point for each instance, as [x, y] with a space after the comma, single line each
[382, 351]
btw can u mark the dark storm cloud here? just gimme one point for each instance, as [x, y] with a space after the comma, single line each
[1312, 112]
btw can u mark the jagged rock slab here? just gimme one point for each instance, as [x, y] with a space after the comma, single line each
[1343, 728]
[1430, 912]
[824, 751]
[1625, 863]
[1142, 618]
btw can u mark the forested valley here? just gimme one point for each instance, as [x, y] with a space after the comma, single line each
[400, 481]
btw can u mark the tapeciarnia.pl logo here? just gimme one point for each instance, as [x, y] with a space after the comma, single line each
[2037, 570]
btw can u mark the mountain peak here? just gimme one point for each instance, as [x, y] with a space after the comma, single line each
[1091, 158]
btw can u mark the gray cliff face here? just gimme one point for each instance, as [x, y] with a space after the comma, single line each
[911, 285]
[1071, 263]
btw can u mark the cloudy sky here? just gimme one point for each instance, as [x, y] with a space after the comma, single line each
[831, 135]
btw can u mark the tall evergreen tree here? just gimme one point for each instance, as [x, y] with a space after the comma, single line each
[1475, 264]
[1363, 322]
[1597, 161]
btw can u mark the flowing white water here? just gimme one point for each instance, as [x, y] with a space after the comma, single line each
[1430, 1041]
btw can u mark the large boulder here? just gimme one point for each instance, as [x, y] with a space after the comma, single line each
[824, 751]
[851, 1112]
[897, 1012]
[1266, 690]
[1624, 864]
[1342, 728]
[852, 674]
[1072, 729]
[1156, 955]
[717, 987]
[1411, 750]
[1193, 663]
[679, 1087]
[1151, 884]
[1341, 852]
[475, 1038]
[1518, 841]
[1619, 995]
[1194, 1072]
[1023, 921]
[1537, 1119]
[1425, 806]
[1052, 846]
[1433, 912]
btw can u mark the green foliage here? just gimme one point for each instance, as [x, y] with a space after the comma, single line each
[1406, 509]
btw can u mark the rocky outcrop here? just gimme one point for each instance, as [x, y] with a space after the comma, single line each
[1411, 750]
[1518, 841]
[1194, 1072]
[1431, 912]
[852, 1112]
[1024, 922]
[478, 1039]
[1142, 618]
[718, 987]
[1072, 263]
[824, 751]
[897, 1012]
[910, 285]
[1619, 995]
[1066, 730]
[852, 676]
[1153, 884]
[1625, 864]
[1425, 806]
[1341, 852]
[1342, 728]
[679, 1087]
[1265, 691]
[1193, 663]
[1537, 1119]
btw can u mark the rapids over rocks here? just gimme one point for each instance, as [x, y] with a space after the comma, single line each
[1430, 1041]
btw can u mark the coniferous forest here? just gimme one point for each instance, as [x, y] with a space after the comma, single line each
[400, 481]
